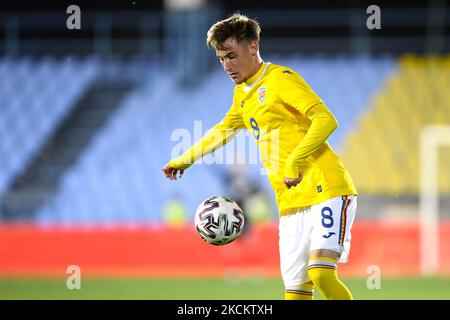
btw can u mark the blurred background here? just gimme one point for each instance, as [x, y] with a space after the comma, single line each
[92, 108]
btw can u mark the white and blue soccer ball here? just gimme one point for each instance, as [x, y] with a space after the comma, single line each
[219, 220]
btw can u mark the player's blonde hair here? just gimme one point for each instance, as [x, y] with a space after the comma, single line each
[237, 26]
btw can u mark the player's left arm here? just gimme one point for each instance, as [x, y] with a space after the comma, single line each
[296, 93]
[323, 123]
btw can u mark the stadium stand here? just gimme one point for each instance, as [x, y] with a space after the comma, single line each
[416, 94]
[118, 176]
[35, 96]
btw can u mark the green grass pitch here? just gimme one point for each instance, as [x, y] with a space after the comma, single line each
[211, 289]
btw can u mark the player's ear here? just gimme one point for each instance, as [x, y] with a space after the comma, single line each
[254, 47]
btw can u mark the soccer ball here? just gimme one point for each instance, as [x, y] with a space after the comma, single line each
[219, 220]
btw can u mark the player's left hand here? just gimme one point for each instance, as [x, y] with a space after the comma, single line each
[292, 182]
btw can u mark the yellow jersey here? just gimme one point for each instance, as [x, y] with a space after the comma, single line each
[290, 124]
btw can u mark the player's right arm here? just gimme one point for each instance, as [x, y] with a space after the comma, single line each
[217, 137]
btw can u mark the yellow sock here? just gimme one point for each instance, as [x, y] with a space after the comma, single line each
[305, 292]
[323, 273]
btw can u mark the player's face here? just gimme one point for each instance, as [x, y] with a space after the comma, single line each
[238, 59]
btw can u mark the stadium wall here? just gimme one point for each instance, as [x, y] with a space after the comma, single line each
[162, 251]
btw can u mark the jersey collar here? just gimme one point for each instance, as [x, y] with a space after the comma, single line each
[253, 80]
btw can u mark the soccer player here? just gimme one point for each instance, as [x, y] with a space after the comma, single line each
[315, 194]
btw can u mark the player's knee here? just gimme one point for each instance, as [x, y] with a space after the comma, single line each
[318, 277]
[322, 270]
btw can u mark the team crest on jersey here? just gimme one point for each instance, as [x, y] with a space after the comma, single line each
[261, 95]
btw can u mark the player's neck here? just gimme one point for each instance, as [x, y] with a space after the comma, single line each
[257, 69]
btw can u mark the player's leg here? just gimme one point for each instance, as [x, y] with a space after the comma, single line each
[294, 242]
[304, 291]
[330, 244]
[322, 269]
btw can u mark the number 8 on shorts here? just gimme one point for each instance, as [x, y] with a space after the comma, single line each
[332, 223]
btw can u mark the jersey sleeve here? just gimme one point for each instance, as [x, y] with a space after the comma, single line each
[295, 92]
[323, 123]
[217, 137]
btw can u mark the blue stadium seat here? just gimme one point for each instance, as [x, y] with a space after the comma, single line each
[118, 178]
[34, 96]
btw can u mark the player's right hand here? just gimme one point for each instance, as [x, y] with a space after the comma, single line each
[171, 173]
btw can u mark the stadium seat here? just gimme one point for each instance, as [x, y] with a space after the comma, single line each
[118, 176]
[35, 95]
[415, 95]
